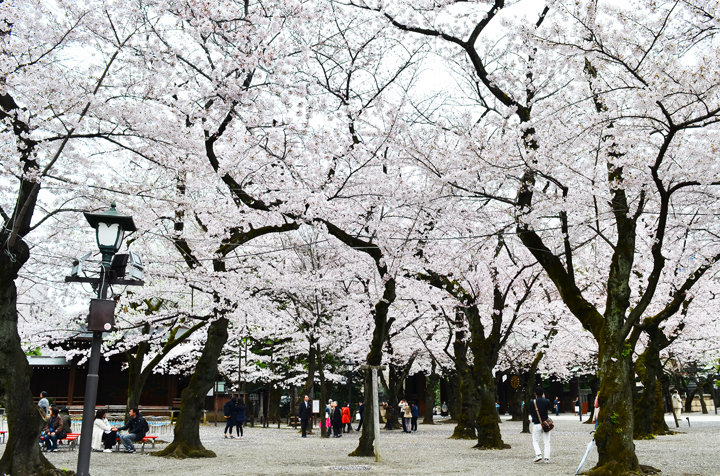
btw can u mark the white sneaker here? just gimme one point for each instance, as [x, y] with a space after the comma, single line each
[547, 460]
[538, 459]
[107, 450]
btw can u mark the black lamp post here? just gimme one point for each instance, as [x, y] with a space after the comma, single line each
[110, 228]
[349, 381]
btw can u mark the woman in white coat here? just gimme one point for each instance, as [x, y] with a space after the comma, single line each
[102, 427]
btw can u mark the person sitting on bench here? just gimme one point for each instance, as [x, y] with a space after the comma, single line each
[53, 430]
[137, 429]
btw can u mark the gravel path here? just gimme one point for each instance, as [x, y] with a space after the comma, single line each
[427, 452]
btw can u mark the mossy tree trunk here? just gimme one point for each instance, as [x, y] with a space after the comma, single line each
[431, 382]
[186, 442]
[649, 412]
[21, 455]
[467, 401]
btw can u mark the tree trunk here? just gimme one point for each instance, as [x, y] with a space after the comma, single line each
[186, 443]
[649, 411]
[517, 401]
[530, 391]
[453, 394]
[430, 383]
[274, 404]
[488, 420]
[366, 444]
[323, 395]
[22, 454]
[467, 410]
[614, 434]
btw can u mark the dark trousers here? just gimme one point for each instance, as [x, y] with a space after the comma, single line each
[414, 424]
[51, 441]
[229, 424]
[239, 425]
[303, 426]
[337, 430]
[349, 427]
[360, 425]
[109, 440]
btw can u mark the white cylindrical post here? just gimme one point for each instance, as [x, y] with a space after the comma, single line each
[376, 413]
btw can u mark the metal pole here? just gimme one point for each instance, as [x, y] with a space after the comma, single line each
[91, 383]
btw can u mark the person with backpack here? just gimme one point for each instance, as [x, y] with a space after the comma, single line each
[539, 408]
[230, 413]
[137, 428]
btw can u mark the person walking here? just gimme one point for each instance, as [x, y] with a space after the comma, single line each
[103, 438]
[137, 429]
[540, 406]
[414, 414]
[346, 426]
[53, 430]
[577, 407]
[557, 406]
[230, 413]
[677, 405]
[305, 413]
[407, 418]
[240, 417]
[444, 409]
[361, 410]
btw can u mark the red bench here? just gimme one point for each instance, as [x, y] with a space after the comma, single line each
[148, 439]
[70, 441]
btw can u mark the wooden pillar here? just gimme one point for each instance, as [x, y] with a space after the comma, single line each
[71, 384]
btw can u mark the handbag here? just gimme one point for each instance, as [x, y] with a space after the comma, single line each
[548, 424]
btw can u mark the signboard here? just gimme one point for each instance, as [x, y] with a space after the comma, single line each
[585, 391]
[316, 406]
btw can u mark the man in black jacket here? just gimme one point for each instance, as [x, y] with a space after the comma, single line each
[336, 420]
[137, 429]
[541, 406]
[305, 413]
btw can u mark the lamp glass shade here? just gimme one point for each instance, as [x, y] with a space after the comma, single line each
[109, 235]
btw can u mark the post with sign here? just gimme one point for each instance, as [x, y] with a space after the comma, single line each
[110, 229]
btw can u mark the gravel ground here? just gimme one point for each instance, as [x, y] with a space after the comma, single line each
[274, 451]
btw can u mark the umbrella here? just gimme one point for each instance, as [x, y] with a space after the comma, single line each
[587, 452]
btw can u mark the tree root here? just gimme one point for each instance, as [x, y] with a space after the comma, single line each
[504, 446]
[613, 470]
[364, 452]
[182, 451]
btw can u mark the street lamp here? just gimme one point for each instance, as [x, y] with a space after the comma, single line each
[110, 229]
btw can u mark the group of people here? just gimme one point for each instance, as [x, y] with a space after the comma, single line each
[58, 424]
[337, 419]
[234, 412]
[409, 413]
